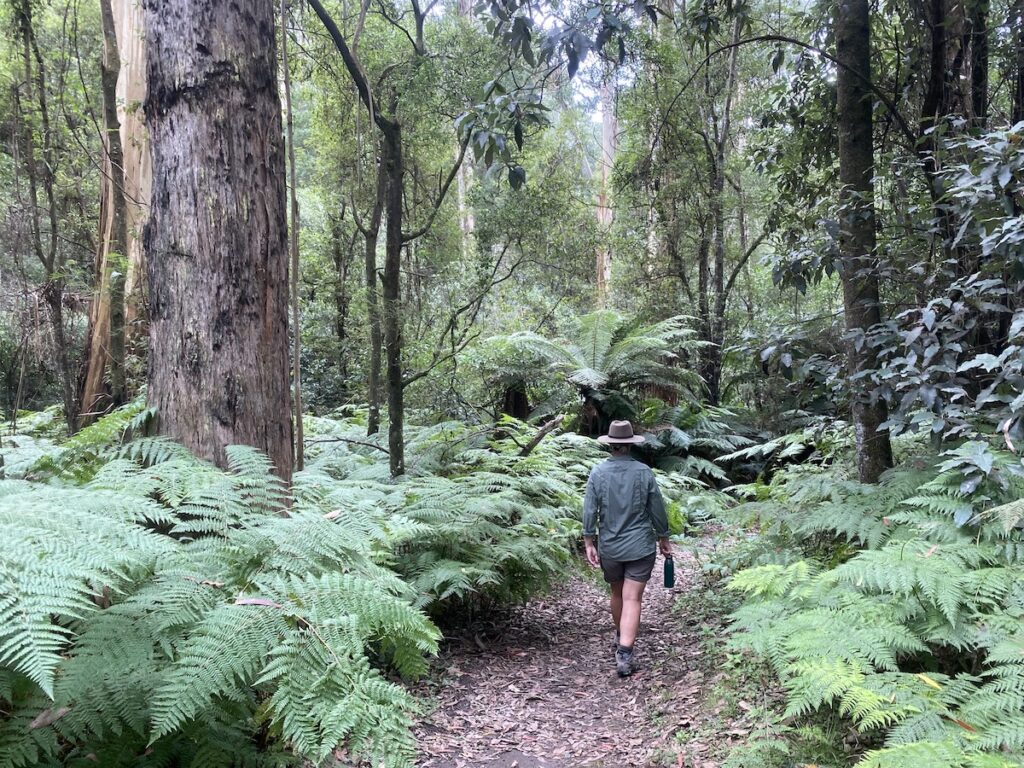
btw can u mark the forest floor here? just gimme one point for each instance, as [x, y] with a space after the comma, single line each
[536, 687]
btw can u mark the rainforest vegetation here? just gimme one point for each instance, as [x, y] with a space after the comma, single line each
[310, 311]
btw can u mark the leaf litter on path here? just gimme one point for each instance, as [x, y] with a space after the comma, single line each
[539, 690]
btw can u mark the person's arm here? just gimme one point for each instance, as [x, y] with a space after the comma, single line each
[590, 509]
[657, 514]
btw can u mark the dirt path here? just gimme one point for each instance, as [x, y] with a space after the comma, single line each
[538, 689]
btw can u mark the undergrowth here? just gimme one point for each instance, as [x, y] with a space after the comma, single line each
[898, 608]
[156, 610]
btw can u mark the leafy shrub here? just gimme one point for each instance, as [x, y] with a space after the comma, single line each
[908, 616]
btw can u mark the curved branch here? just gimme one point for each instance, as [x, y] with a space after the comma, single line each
[441, 194]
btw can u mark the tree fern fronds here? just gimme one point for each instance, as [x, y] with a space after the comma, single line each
[1010, 515]
[254, 476]
[325, 696]
[933, 754]
[597, 331]
[221, 656]
[773, 580]
[45, 572]
[934, 571]
[154, 450]
[22, 702]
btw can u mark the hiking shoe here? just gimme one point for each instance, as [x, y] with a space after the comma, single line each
[624, 663]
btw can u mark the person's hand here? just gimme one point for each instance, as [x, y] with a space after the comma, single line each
[665, 546]
[592, 556]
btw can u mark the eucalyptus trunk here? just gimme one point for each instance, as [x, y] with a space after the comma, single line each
[217, 236]
[293, 244]
[105, 348]
[861, 300]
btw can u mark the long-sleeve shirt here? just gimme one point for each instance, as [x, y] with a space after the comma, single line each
[624, 509]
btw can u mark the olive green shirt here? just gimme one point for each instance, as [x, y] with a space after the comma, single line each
[624, 509]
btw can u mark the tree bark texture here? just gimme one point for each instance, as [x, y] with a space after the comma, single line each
[371, 235]
[391, 294]
[216, 240]
[138, 161]
[293, 244]
[861, 301]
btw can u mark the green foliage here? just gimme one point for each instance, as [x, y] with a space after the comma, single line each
[610, 362]
[200, 615]
[215, 619]
[915, 636]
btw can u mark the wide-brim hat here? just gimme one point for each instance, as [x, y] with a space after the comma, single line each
[620, 433]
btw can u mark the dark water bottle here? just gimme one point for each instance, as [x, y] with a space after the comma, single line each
[670, 572]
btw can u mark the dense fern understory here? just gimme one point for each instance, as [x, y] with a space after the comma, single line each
[896, 611]
[156, 610]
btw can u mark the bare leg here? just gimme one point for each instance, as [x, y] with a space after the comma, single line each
[632, 593]
[617, 604]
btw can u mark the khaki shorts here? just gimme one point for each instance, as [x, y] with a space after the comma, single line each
[634, 570]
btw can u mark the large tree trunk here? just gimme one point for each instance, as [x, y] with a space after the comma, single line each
[391, 285]
[861, 301]
[216, 239]
[603, 265]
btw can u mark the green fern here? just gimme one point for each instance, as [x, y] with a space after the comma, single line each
[917, 637]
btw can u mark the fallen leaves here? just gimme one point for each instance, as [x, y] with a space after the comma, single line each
[537, 688]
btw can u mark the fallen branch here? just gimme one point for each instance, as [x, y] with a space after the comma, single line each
[541, 434]
[380, 448]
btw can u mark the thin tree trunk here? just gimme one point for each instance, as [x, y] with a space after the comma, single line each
[106, 345]
[467, 222]
[1017, 25]
[293, 244]
[713, 354]
[603, 266]
[978, 11]
[216, 240]
[391, 285]
[861, 300]
[342, 262]
[138, 164]
[42, 173]
[371, 235]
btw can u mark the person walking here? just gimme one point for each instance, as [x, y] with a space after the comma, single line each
[623, 509]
